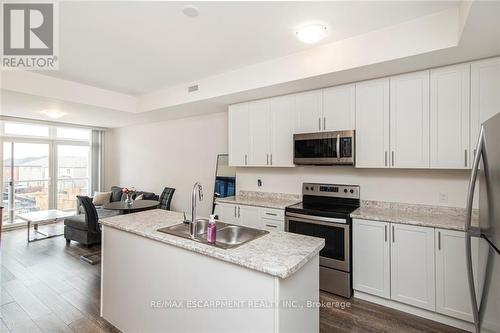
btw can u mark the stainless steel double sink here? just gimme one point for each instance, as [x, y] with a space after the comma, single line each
[229, 236]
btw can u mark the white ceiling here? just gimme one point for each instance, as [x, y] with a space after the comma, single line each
[138, 47]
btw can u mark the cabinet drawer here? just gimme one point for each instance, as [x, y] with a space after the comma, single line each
[272, 214]
[272, 225]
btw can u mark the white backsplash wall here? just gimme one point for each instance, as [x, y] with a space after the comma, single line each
[430, 187]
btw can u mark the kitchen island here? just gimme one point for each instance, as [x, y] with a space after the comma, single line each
[152, 281]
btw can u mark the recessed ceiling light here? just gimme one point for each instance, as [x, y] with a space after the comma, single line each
[190, 11]
[312, 33]
[54, 114]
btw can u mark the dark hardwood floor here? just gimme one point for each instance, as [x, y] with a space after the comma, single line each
[45, 287]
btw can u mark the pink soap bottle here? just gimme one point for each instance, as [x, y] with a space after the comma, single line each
[211, 230]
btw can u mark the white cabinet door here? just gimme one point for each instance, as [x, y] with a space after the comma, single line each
[249, 216]
[227, 212]
[372, 124]
[239, 134]
[412, 266]
[485, 94]
[452, 287]
[339, 108]
[308, 111]
[259, 133]
[371, 261]
[409, 109]
[282, 120]
[449, 120]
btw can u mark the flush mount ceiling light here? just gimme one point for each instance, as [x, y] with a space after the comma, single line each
[312, 33]
[190, 11]
[54, 114]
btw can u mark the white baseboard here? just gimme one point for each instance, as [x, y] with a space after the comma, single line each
[416, 311]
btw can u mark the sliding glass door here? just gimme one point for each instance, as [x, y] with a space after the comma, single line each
[45, 167]
[26, 178]
[73, 174]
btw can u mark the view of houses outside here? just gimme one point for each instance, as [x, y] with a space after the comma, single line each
[26, 176]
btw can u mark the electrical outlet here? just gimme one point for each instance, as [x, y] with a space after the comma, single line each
[259, 183]
[443, 197]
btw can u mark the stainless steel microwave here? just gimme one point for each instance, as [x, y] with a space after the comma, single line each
[324, 148]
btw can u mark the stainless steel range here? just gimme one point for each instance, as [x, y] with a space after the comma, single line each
[325, 212]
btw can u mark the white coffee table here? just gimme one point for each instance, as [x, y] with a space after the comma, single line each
[43, 217]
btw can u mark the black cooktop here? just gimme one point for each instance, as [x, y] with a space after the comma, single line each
[326, 210]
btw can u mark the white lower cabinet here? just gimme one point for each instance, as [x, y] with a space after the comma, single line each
[251, 216]
[371, 271]
[452, 286]
[412, 266]
[420, 266]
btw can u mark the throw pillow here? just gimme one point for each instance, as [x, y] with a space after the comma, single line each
[139, 197]
[100, 198]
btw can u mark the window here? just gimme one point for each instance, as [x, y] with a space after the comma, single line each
[73, 174]
[72, 133]
[46, 166]
[26, 129]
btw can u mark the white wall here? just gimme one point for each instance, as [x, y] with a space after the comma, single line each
[174, 153]
[397, 185]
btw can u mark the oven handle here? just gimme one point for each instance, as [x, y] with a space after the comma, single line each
[338, 146]
[316, 219]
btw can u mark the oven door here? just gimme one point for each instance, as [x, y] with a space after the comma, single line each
[335, 231]
[325, 148]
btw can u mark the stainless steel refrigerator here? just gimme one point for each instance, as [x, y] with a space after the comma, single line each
[485, 284]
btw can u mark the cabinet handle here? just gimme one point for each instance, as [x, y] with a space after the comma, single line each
[272, 214]
[271, 226]
[465, 158]
[271, 159]
[385, 230]
[439, 240]
[246, 159]
[393, 158]
[393, 235]
[324, 123]
[319, 123]
[385, 159]
[238, 211]
[234, 211]
[267, 161]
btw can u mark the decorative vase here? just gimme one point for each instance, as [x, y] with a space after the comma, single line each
[128, 199]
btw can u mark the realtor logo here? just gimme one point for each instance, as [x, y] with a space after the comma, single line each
[29, 36]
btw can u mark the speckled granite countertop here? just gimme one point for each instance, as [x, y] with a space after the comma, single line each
[262, 199]
[278, 253]
[421, 215]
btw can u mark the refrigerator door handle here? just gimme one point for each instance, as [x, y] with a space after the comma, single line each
[468, 219]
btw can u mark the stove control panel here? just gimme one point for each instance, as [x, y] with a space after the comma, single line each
[331, 190]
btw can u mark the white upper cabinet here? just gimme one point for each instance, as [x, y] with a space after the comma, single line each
[371, 261]
[339, 108]
[282, 120]
[485, 94]
[239, 134]
[372, 124]
[412, 266]
[409, 113]
[260, 133]
[308, 111]
[426, 119]
[450, 114]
